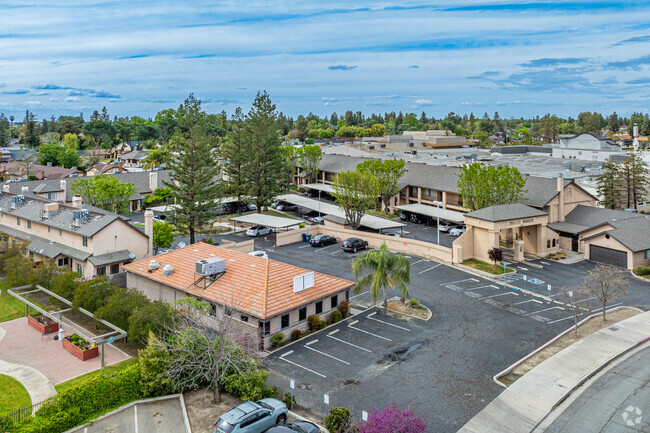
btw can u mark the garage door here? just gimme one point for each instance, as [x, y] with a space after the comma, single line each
[608, 256]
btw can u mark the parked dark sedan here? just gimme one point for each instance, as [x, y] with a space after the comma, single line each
[322, 240]
[295, 427]
[354, 244]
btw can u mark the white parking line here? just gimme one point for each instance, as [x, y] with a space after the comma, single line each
[545, 263]
[609, 306]
[545, 309]
[432, 267]
[560, 320]
[307, 346]
[362, 293]
[482, 287]
[501, 294]
[460, 281]
[346, 342]
[324, 248]
[337, 252]
[282, 357]
[386, 323]
[135, 417]
[523, 302]
[588, 299]
[350, 325]
[305, 246]
[419, 261]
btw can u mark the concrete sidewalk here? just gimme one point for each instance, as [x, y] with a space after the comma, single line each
[522, 406]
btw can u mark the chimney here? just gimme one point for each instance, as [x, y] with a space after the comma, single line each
[5, 187]
[64, 186]
[76, 201]
[153, 180]
[148, 230]
[24, 189]
[560, 196]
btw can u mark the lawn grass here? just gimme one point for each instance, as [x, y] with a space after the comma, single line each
[277, 214]
[14, 396]
[76, 381]
[486, 267]
[10, 307]
[382, 214]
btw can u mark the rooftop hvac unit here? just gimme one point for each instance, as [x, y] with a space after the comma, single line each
[211, 266]
[80, 214]
[168, 270]
[409, 144]
[153, 265]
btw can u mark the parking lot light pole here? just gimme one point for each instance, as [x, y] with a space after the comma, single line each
[319, 203]
[438, 203]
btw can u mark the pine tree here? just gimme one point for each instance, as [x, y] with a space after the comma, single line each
[264, 167]
[234, 151]
[607, 185]
[634, 180]
[195, 170]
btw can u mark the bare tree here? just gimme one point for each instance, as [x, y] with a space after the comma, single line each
[572, 299]
[202, 348]
[606, 283]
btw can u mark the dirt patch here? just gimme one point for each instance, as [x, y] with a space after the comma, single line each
[587, 328]
[203, 412]
[399, 307]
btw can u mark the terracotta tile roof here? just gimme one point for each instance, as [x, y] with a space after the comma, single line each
[260, 287]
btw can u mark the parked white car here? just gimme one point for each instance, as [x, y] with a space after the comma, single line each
[457, 231]
[445, 227]
[259, 231]
[261, 254]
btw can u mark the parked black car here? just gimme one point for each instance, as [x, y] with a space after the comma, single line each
[322, 240]
[295, 427]
[354, 244]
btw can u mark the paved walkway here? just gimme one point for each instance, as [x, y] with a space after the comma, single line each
[523, 405]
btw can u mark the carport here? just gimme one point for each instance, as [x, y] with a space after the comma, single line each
[370, 221]
[433, 212]
[275, 222]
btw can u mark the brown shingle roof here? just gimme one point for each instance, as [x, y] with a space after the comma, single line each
[260, 287]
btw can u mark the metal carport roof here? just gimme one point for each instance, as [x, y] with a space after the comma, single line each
[319, 187]
[275, 222]
[369, 221]
[432, 211]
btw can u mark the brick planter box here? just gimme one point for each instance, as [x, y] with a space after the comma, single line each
[43, 329]
[84, 355]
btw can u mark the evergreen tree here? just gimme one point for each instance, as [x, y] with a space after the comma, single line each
[31, 136]
[5, 132]
[195, 170]
[607, 185]
[633, 176]
[265, 166]
[234, 151]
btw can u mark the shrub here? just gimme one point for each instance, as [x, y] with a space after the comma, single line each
[344, 308]
[289, 399]
[151, 317]
[414, 303]
[209, 241]
[336, 316]
[339, 420]
[393, 419]
[250, 385]
[93, 294]
[296, 334]
[277, 339]
[153, 361]
[65, 283]
[313, 322]
[120, 305]
[495, 254]
[642, 270]
[93, 397]
[301, 225]
[79, 342]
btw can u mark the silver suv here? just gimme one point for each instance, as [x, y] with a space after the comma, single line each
[252, 417]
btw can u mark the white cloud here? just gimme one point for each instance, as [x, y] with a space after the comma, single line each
[53, 99]
[71, 99]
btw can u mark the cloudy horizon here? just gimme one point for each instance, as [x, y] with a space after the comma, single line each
[137, 57]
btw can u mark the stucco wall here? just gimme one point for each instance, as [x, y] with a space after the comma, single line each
[117, 236]
[588, 233]
[242, 247]
[398, 245]
[602, 241]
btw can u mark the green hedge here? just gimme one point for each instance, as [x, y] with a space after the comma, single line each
[75, 406]
[642, 270]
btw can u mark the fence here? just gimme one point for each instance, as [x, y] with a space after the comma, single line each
[21, 414]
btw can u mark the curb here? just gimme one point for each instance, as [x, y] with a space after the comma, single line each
[396, 298]
[302, 418]
[496, 377]
[639, 277]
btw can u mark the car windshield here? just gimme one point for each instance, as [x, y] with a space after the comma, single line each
[319, 237]
[223, 425]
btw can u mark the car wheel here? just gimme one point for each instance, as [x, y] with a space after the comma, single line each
[365, 247]
[281, 419]
[354, 250]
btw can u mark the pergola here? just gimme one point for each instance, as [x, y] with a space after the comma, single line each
[22, 294]
[275, 222]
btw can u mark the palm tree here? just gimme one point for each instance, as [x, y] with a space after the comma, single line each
[156, 157]
[386, 269]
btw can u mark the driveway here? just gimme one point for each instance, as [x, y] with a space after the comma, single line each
[478, 328]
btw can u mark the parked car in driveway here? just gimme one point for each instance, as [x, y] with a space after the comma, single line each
[295, 427]
[252, 417]
[445, 227]
[259, 231]
[457, 231]
[322, 240]
[354, 244]
[283, 205]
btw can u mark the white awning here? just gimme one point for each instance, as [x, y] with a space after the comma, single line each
[171, 207]
[319, 187]
[272, 221]
[326, 208]
[432, 211]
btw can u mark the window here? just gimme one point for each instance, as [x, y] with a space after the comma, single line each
[60, 232]
[29, 224]
[17, 221]
[285, 321]
[51, 196]
[64, 261]
[115, 268]
[84, 241]
[244, 318]
[548, 243]
[267, 328]
[302, 314]
[101, 270]
[334, 302]
[80, 268]
[553, 243]
[647, 254]
[49, 229]
[319, 307]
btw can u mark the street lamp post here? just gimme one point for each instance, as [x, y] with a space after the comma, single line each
[319, 203]
[437, 203]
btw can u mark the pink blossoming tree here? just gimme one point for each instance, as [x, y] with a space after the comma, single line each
[393, 420]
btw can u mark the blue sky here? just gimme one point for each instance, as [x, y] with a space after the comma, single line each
[139, 57]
